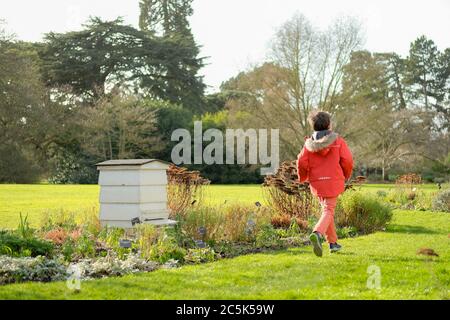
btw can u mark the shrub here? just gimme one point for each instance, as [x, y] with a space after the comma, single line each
[424, 200]
[184, 189]
[202, 255]
[164, 250]
[30, 269]
[441, 201]
[362, 211]
[15, 245]
[268, 237]
[59, 236]
[242, 223]
[285, 222]
[234, 223]
[90, 221]
[202, 218]
[397, 197]
[281, 221]
[346, 232]
[381, 194]
[147, 237]
[287, 196]
[59, 220]
[411, 199]
[111, 236]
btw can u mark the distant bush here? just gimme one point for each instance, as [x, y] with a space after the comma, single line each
[375, 177]
[410, 198]
[441, 201]
[17, 165]
[381, 193]
[362, 211]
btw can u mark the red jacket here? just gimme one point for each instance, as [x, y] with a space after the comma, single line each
[325, 164]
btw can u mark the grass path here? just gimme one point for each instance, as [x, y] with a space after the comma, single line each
[292, 274]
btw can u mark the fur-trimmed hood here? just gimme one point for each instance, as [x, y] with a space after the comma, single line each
[321, 146]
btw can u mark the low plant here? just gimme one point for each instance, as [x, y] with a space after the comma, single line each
[381, 194]
[346, 232]
[362, 211]
[424, 200]
[203, 223]
[441, 201]
[59, 220]
[410, 198]
[111, 236]
[241, 223]
[59, 236]
[15, 245]
[268, 237]
[285, 222]
[85, 246]
[201, 255]
[147, 237]
[112, 265]
[24, 229]
[165, 249]
[397, 197]
[90, 221]
[14, 270]
[294, 230]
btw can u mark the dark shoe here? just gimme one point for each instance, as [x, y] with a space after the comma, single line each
[316, 240]
[334, 247]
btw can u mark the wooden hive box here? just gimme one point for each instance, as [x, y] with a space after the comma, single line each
[133, 189]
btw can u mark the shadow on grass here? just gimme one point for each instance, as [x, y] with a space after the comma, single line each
[398, 228]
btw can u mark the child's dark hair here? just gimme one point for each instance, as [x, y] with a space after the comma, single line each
[319, 120]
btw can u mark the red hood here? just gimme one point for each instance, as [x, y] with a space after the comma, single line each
[321, 146]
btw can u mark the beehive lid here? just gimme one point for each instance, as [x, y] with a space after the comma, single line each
[144, 163]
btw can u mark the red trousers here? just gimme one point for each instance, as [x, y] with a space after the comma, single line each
[326, 226]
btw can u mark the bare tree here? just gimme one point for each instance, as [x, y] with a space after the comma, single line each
[305, 72]
[314, 61]
[118, 127]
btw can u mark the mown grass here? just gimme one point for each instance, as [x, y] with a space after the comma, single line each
[34, 200]
[292, 274]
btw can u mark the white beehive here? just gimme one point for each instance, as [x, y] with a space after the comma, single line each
[131, 190]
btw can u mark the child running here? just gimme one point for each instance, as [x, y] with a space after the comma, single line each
[326, 163]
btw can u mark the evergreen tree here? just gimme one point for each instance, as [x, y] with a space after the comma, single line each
[428, 75]
[108, 54]
[168, 19]
[165, 17]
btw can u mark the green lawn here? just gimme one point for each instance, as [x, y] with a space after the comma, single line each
[292, 274]
[34, 200]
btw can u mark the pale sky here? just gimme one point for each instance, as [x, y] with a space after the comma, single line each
[235, 33]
